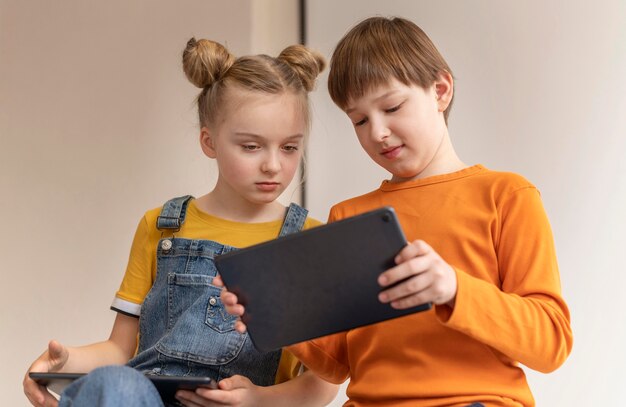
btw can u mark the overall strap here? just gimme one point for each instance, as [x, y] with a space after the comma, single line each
[294, 219]
[173, 213]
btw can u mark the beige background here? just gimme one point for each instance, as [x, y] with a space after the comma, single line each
[97, 124]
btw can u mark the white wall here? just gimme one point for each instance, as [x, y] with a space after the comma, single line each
[540, 90]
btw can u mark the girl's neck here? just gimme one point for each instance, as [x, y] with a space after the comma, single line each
[221, 205]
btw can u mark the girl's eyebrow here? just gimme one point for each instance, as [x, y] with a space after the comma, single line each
[257, 136]
[383, 96]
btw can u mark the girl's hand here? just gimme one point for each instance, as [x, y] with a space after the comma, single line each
[236, 391]
[424, 275]
[51, 360]
[231, 305]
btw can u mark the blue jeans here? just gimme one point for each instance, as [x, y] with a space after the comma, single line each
[111, 386]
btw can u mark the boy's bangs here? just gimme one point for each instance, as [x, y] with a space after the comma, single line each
[364, 71]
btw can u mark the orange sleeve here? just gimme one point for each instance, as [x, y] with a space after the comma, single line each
[326, 356]
[526, 318]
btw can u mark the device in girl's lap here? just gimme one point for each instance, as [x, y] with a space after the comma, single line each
[166, 385]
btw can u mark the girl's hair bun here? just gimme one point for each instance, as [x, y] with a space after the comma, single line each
[307, 64]
[205, 62]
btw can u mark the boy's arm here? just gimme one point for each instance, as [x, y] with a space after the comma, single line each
[306, 389]
[326, 356]
[526, 318]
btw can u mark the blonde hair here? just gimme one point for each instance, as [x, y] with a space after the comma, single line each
[378, 49]
[210, 66]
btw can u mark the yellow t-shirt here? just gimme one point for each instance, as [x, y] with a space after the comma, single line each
[141, 270]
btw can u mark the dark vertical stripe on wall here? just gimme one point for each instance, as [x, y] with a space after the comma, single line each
[303, 40]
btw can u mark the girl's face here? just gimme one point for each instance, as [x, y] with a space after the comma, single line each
[402, 128]
[257, 144]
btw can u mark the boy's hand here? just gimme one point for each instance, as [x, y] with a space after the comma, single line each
[424, 275]
[51, 360]
[234, 391]
[231, 305]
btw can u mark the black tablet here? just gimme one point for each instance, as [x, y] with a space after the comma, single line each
[166, 385]
[316, 282]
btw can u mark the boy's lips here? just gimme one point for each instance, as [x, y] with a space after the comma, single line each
[391, 152]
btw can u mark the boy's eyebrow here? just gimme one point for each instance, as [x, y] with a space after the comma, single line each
[384, 95]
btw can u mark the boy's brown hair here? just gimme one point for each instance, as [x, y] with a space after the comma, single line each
[379, 49]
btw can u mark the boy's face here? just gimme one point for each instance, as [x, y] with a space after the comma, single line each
[401, 128]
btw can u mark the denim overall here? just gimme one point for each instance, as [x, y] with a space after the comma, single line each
[183, 327]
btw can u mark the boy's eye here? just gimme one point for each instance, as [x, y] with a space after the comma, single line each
[360, 122]
[393, 109]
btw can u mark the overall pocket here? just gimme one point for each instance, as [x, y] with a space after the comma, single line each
[198, 327]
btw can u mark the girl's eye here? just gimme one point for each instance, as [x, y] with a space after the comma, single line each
[250, 147]
[290, 148]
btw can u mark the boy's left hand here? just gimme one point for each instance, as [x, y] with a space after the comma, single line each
[235, 391]
[424, 275]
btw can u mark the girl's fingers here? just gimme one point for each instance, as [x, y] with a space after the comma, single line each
[217, 280]
[240, 327]
[191, 399]
[229, 298]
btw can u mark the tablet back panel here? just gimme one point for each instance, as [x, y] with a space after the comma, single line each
[316, 282]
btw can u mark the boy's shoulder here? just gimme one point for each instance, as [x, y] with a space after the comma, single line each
[475, 180]
[504, 184]
[356, 205]
[505, 179]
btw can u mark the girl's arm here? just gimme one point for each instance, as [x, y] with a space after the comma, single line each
[118, 349]
[304, 390]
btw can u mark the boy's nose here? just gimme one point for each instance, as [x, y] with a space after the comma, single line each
[379, 130]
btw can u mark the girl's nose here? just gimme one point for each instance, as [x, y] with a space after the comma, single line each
[271, 163]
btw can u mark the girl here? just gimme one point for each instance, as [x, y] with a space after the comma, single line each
[485, 255]
[254, 121]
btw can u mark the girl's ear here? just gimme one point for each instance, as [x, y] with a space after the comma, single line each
[444, 89]
[207, 142]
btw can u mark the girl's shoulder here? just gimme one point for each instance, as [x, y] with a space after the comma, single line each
[311, 223]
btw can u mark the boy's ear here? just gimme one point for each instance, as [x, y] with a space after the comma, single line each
[444, 90]
[207, 142]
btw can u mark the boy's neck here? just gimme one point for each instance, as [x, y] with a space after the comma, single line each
[444, 161]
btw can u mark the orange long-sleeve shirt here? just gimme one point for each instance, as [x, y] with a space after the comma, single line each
[492, 228]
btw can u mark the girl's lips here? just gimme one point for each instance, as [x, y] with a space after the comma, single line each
[267, 186]
[391, 153]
